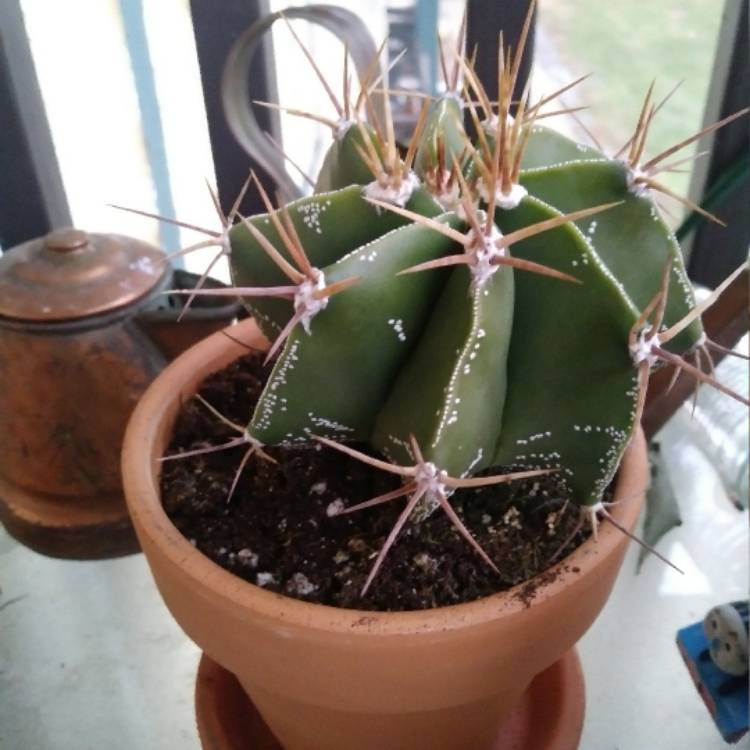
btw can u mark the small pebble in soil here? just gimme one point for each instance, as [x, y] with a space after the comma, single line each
[335, 508]
[248, 557]
[299, 585]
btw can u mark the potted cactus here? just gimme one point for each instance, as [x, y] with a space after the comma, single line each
[463, 313]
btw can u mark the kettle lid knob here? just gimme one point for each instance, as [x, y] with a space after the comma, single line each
[65, 240]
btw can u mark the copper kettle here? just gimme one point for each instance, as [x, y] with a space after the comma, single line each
[84, 328]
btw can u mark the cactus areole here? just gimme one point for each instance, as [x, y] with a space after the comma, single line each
[463, 303]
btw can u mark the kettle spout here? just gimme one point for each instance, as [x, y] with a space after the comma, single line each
[206, 315]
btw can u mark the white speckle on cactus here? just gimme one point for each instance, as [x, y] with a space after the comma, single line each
[267, 320]
[471, 466]
[550, 167]
[310, 213]
[398, 327]
[364, 250]
[462, 366]
[269, 400]
[318, 488]
[404, 445]
[327, 424]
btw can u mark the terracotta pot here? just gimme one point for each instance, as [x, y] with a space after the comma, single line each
[334, 679]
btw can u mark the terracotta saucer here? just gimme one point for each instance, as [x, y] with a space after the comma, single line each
[94, 528]
[548, 717]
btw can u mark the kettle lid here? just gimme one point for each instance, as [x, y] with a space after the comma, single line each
[70, 274]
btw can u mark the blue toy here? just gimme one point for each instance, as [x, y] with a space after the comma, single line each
[716, 654]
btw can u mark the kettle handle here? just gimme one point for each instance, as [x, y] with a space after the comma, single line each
[236, 80]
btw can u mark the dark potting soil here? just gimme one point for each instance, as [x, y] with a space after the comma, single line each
[276, 531]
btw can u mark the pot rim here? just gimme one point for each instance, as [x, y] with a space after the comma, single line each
[148, 430]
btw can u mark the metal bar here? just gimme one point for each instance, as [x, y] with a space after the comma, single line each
[715, 251]
[33, 198]
[485, 20]
[216, 28]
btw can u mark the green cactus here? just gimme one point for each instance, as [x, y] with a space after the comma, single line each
[503, 306]
[328, 225]
[333, 380]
